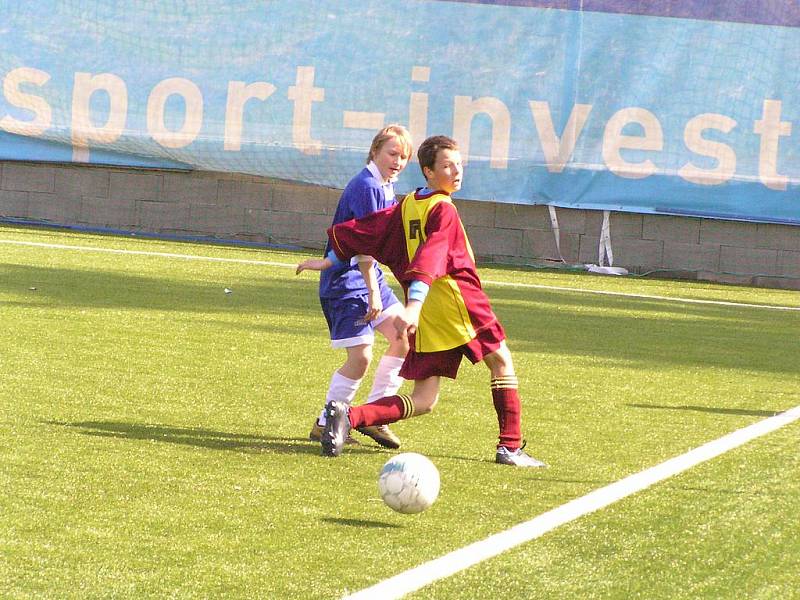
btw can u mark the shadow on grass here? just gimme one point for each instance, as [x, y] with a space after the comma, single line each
[191, 436]
[360, 523]
[203, 438]
[710, 409]
[182, 292]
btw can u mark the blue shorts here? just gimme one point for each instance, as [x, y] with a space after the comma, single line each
[345, 317]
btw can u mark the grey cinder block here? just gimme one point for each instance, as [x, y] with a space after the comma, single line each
[245, 194]
[691, 257]
[14, 204]
[77, 182]
[313, 229]
[135, 185]
[788, 263]
[161, 216]
[476, 213]
[488, 241]
[751, 261]
[520, 216]
[643, 254]
[681, 230]
[27, 177]
[542, 245]
[190, 188]
[305, 198]
[213, 219]
[731, 233]
[55, 208]
[108, 212]
[282, 227]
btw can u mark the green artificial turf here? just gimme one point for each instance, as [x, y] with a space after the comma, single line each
[153, 434]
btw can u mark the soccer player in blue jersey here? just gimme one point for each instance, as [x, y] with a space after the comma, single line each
[355, 297]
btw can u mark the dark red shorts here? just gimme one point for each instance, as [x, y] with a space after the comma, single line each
[421, 365]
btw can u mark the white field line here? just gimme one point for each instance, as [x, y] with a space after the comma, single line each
[147, 253]
[642, 296]
[458, 560]
[487, 282]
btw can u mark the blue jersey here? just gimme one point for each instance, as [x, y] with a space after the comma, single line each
[364, 194]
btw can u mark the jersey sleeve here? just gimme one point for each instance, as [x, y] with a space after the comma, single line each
[442, 235]
[373, 235]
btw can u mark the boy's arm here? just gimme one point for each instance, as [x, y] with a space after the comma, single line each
[366, 266]
[407, 322]
[319, 264]
[369, 236]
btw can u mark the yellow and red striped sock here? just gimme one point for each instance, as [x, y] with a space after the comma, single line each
[383, 411]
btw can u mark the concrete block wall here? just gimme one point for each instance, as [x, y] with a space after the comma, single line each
[681, 247]
[229, 206]
[214, 205]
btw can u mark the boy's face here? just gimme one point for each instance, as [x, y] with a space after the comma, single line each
[390, 159]
[447, 171]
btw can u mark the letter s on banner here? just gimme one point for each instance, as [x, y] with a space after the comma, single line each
[41, 109]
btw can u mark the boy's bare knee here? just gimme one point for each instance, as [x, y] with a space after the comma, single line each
[500, 362]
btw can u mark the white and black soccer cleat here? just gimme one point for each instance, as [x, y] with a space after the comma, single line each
[315, 435]
[516, 458]
[337, 428]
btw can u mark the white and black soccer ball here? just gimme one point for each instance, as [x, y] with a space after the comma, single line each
[409, 483]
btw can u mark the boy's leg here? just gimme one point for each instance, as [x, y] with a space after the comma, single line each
[356, 338]
[401, 406]
[341, 417]
[507, 405]
[386, 383]
[387, 374]
[387, 380]
[505, 396]
[342, 389]
[343, 385]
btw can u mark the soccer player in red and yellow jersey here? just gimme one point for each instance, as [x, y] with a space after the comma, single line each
[447, 314]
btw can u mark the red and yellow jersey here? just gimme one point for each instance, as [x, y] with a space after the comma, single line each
[423, 239]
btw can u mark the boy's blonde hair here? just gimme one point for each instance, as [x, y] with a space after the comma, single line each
[387, 133]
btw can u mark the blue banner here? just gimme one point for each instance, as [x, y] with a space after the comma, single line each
[763, 12]
[684, 108]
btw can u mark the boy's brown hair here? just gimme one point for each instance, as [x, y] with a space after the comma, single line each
[387, 133]
[429, 149]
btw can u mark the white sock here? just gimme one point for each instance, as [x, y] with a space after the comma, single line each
[387, 378]
[342, 389]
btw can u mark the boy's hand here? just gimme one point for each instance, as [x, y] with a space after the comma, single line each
[365, 266]
[313, 264]
[375, 306]
[406, 323]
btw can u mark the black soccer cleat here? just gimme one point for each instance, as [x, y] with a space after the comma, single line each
[337, 428]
